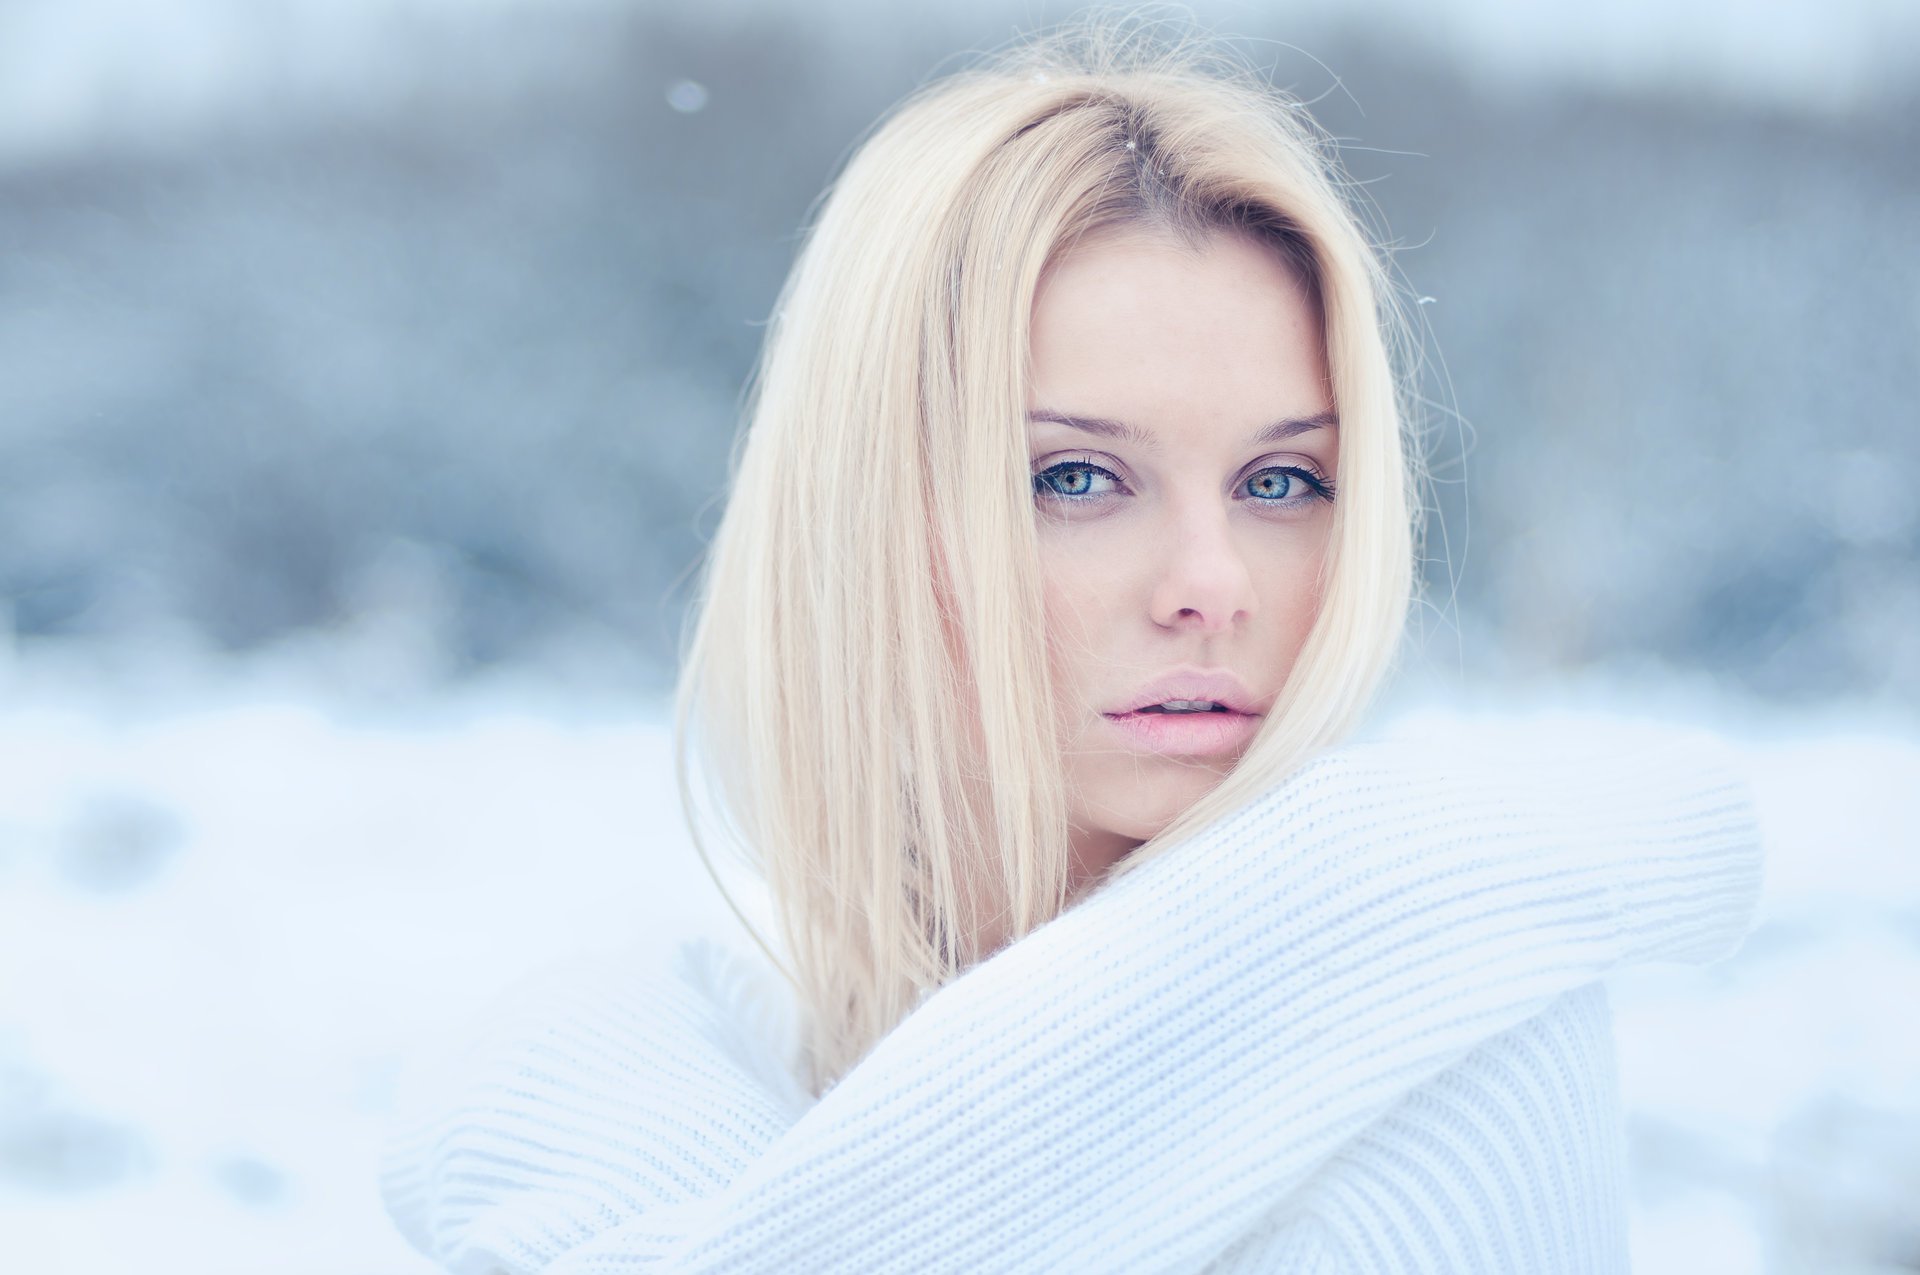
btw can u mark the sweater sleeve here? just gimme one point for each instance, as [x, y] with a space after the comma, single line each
[1510, 1162]
[1154, 1071]
[603, 1101]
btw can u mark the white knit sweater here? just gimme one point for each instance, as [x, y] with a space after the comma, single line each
[1354, 1027]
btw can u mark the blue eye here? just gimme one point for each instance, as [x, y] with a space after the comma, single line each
[1285, 484]
[1074, 480]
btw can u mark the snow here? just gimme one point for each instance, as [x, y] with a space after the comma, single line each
[195, 1050]
[226, 917]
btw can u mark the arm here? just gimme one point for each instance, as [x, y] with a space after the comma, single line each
[1163, 1065]
[1510, 1162]
[609, 1093]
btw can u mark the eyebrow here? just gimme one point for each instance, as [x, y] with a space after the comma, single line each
[1128, 433]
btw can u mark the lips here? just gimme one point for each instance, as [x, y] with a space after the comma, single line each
[1223, 730]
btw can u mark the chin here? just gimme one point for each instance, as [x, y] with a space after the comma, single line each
[1141, 801]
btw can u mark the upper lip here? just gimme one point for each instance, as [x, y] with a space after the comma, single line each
[1218, 685]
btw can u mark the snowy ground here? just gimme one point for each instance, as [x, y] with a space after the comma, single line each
[224, 920]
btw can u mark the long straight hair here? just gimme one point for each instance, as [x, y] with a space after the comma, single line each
[866, 681]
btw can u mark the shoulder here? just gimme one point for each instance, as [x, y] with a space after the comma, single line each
[586, 1096]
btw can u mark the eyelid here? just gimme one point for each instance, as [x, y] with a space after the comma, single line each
[1098, 460]
[1286, 460]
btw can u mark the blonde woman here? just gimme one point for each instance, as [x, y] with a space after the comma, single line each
[1071, 534]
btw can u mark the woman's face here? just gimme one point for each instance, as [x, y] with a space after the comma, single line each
[1183, 450]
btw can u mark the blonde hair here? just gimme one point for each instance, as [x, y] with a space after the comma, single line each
[867, 651]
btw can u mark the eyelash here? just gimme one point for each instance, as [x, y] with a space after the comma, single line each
[1317, 488]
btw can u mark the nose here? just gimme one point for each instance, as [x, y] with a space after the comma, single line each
[1204, 584]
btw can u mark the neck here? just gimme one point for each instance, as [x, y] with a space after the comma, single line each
[1092, 853]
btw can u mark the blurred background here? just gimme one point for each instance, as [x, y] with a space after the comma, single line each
[368, 370]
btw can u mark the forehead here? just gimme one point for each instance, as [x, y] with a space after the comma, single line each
[1135, 325]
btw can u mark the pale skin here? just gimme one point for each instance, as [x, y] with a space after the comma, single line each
[1183, 501]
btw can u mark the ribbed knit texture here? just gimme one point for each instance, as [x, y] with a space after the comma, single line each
[1356, 1026]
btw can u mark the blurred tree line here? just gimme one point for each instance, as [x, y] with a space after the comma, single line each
[455, 371]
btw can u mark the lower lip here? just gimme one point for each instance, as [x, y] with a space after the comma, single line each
[1187, 734]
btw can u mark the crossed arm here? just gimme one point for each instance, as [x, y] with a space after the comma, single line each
[1146, 1077]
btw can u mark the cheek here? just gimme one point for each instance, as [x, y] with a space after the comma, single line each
[1085, 596]
[1290, 589]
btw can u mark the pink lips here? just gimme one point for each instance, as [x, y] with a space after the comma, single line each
[1220, 733]
[1187, 734]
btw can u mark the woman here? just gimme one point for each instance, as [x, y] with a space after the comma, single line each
[1071, 534]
